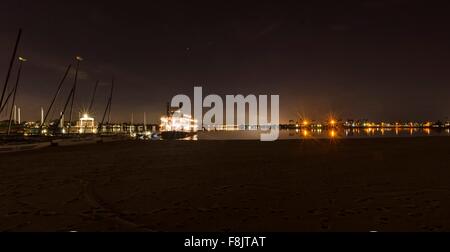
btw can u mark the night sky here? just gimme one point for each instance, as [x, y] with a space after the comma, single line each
[377, 60]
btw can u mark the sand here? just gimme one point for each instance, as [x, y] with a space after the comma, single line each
[386, 184]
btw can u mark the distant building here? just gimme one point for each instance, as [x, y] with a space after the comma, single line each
[86, 124]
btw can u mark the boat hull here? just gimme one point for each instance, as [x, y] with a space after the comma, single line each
[7, 148]
[169, 135]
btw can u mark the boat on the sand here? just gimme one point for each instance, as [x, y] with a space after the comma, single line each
[14, 147]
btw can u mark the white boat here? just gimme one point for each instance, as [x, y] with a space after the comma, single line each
[7, 148]
[155, 136]
[176, 125]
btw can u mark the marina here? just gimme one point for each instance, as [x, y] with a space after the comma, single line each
[66, 130]
[232, 125]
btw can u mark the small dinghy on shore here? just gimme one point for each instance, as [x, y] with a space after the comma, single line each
[14, 147]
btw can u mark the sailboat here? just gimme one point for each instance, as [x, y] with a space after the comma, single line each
[13, 140]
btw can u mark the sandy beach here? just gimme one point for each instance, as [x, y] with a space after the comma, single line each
[384, 184]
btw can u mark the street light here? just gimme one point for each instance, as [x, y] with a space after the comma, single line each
[332, 122]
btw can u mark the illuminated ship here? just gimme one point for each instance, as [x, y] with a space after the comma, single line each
[176, 125]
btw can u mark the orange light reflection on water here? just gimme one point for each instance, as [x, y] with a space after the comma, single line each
[333, 134]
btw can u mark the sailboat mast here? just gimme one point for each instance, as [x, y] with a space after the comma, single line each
[56, 94]
[10, 66]
[65, 107]
[110, 100]
[6, 100]
[13, 107]
[78, 58]
[108, 108]
[93, 97]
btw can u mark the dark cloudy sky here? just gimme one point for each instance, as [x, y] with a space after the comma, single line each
[361, 59]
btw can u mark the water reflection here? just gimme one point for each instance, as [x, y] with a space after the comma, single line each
[305, 133]
[333, 133]
[368, 132]
[372, 132]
